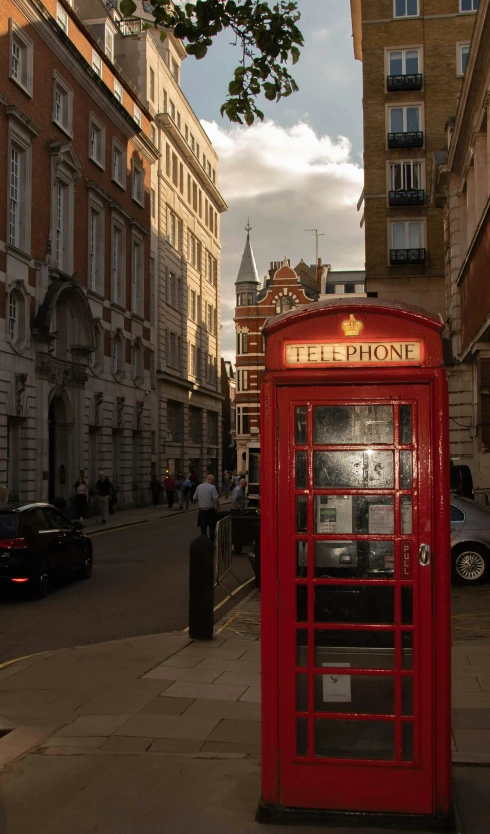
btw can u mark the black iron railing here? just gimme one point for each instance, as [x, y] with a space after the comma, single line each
[404, 82]
[408, 256]
[410, 139]
[407, 197]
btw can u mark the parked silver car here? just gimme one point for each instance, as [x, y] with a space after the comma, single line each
[470, 541]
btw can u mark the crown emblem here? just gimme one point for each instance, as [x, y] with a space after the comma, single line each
[351, 326]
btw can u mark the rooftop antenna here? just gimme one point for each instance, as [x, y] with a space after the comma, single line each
[317, 235]
[248, 227]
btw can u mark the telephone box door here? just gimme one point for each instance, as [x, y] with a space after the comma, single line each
[355, 657]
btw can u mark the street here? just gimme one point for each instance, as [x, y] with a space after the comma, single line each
[139, 586]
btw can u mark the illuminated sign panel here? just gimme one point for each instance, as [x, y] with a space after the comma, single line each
[355, 353]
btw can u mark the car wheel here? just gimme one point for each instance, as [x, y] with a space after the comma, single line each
[39, 584]
[85, 571]
[470, 564]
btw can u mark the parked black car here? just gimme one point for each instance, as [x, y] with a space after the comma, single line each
[38, 544]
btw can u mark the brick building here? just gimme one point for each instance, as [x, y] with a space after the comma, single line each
[414, 53]
[461, 186]
[283, 288]
[75, 343]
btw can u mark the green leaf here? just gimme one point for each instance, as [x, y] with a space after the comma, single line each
[295, 54]
[128, 7]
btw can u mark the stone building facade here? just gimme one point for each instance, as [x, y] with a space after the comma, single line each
[461, 187]
[414, 53]
[75, 338]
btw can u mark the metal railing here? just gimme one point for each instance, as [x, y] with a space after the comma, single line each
[407, 197]
[482, 496]
[223, 551]
[408, 139]
[408, 256]
[413, 81]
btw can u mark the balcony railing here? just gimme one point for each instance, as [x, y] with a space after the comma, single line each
[408, 256]
[130, 26]
[404, 82]
[411, 139]
[407, 197]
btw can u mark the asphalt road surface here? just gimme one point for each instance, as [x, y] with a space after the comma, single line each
[139, 586]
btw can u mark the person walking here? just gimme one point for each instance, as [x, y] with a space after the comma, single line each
[81, 496]
[207, 498]
[178, 491]
[103, 488]
[169, 487]
[155, 488]
[186, 488]
[226, 484]
[193, 479]
[238, 500]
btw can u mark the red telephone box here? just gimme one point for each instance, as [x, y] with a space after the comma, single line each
[355, 566]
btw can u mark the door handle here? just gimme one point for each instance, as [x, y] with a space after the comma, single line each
[424, 555]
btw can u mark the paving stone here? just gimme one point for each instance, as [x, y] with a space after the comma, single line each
[169, 726]
[253, 694]
[237, 643]
[459, 658]
[251, 657]
[225, 665]
[126, 744]
[168, 706]
[471, 719]
[224, 709]
[212, 691]
[74, 741]
[173, 673]
[127, 699]
[471, 700]
[94, 725]
[466, 685]
[254, 750]
[175, 745]
[239, 679]
[180, 662]
[469, 671]
[237, 732]
[201, 651]
[484, 683]
[473, 741]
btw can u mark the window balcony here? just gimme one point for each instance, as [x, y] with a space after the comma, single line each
[407, 197]
[411, 139]
[404, 82]
[407, 256]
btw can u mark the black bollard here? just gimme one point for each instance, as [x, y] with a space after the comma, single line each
[201, 589]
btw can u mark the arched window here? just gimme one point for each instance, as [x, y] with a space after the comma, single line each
[284, 303]
[117, 354]
[136, 362]
[16, 317]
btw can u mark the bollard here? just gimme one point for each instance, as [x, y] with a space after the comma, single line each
[201, 589]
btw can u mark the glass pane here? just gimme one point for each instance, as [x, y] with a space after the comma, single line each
[301, 425]
[407, 650]
[415, 234]
[302, 693]
[396, 177]
[412, 7]
[398, 236]
[301, 513]
[355, 739]
[354, 604]
[348, 514]
[373, 694]
[413, 119]
[301, 470]
[301, 559]
[301, 647]
[302, 603]
[412, 61]
[338, 424]
[355, 470]
[301, 736]
[406, 514]
[396, 65]
[405, 469]
[354, 559]
[361, 649]
[406, 422]
[407, 696]
[407, 606]
[407, 741]
[396, 120]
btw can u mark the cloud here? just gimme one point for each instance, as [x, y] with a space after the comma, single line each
[286, 179]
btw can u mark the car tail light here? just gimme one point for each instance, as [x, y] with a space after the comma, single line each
[20, 579]
[13, 544]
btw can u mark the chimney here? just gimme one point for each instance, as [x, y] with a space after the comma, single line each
[319, 273]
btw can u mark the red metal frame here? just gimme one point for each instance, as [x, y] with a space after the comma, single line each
[322, 323]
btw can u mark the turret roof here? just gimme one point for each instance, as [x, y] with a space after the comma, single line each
[247, 274]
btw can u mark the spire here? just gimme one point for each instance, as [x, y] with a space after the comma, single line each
[247, 273]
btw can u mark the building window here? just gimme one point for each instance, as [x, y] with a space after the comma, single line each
[109, 43]
[242, 381]
[153, 134]
[175, 70]
[18, 197]
[339, 289]
[137, 184]
[96, 149]
[192, 249]
[152, 84]
[13, 317]
[195, 424]
[404, 62]
[192, 359]
[358, 288]
[95, 251]
[118, 167]
[243, 420]
[174, 230]
[136, 362]
[172, 111]
[468, 5]
[62, 18]
[405, 176]
[153, 382]
[211, 269]
[153, 203]
[173, 296]
[61, 227]
[241, 343]
[62, 103]
[284, 303]
[173, 421]
[463, 53]
[407, 234]
[152, 290]
[137, 278]
[118, 265]
[21, 57]
[193, 306]
[404, 119]
[96, 63]
[118, 91]
[137, 115]
[212, 426]
[117, 354]
[405, 8]
[173, 357]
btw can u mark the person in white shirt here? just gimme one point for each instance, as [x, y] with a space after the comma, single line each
[238, 500]
[207, 498]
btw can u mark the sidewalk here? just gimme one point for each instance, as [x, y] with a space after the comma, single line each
[139, 515]
[162, 734]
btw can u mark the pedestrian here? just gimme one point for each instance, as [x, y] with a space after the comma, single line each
[81, 496]
[238, 500]
[155, 488]
[207, 498]
[4, 494]
[103, 488]
[186, 488]
[226, 484]
[178, 491]
[236, 478]
[169, 487]
[193, 479]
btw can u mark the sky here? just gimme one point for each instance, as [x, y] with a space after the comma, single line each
[299, 169]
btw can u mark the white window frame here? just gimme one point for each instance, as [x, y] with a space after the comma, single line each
[60, 85]
[339, 289]
[99, 159]
[120, 151]
[95, 261]
[137, 275]
[359, 288]
[96, 63]
[407, 221]
[118, 261]
[137, 115]
[241, 412]
[19, 142]
[468, 11]
[118, 91]
[137, 183]
[404, 16]
[63, 223]
[405, 162]
[23, 76]
[62, 17]
[151, 84]
[404, 50]
[405, 106]
[109, 37]
[242, 381]
[17, 313]
[460, 46]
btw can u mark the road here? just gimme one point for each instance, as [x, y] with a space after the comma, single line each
[139, 586]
